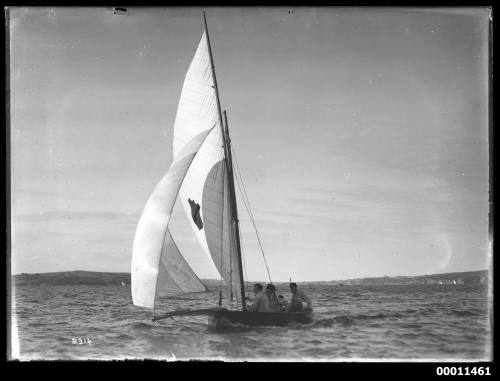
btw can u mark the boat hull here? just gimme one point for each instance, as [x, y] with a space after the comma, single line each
[220, 318]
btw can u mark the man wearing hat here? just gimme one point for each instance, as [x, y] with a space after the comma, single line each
[300, 301]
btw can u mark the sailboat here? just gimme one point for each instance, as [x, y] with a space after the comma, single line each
[201, 178]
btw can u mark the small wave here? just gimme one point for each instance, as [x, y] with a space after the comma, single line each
[410, 335]
[108, 305]
[465, 312]
[410, 311]
[324, 323]
[429, 311]
[33, 301]
[399, 342]
[412, 326]
[224, 325]
[142, 326]
[188, 327]
[355, 294]
[343, 320]
[352, 319]
[227, 327]
[120, 337]
[315, 342]
[37, 324]
[370, 317]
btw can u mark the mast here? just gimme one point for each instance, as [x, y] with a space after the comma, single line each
[228, 162]
[215, 81]
[234, 209]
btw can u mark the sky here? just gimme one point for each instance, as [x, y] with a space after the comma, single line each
[361, 135]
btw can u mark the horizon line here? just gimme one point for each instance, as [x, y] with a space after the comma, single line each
[260, 281]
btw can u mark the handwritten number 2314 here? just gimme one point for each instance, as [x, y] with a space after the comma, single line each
[81, 340]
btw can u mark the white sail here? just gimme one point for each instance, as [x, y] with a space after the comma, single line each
[204, 192]
[197, 108]
[154, 250]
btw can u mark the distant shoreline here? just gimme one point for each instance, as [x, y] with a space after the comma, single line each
[123, 279]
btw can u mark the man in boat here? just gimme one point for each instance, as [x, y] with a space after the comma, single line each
[261, 300]
[299, 302]
[283, 303]
[274, 303]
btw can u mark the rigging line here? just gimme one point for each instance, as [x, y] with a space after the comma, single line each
[247, 207]
[245, 198]
[245, 195]
[243, 184]
[249, 210]
[256, 231]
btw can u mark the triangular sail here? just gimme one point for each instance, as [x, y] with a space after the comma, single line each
[175, 277]
[197, 108]
[204, 192]
[154, 251]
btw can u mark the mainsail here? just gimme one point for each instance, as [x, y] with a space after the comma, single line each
[200, 178]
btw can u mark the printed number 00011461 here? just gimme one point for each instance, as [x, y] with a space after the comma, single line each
[463, 371]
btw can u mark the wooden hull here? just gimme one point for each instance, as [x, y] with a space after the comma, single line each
[224, 317]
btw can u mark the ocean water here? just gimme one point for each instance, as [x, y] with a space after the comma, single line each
[432, 322]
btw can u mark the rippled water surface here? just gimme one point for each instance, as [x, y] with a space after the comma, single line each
[351, 322]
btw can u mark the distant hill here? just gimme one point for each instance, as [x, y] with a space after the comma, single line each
[72, 278]
[466, 277]
[102, 278]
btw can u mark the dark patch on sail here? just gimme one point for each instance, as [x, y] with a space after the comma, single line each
[195, 213]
